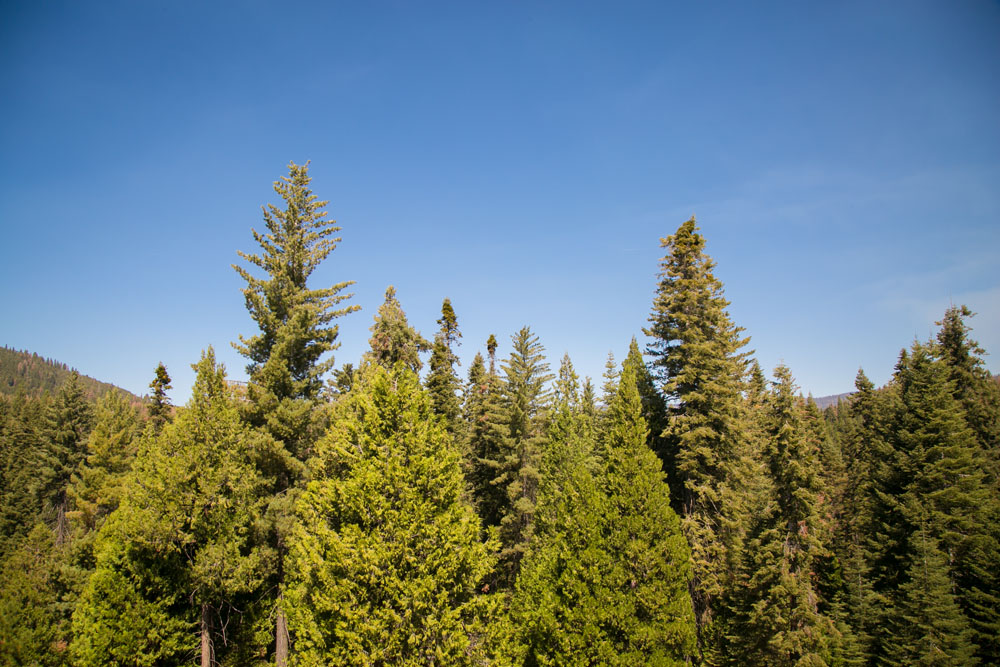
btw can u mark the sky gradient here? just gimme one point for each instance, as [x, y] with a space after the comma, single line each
[522, 159]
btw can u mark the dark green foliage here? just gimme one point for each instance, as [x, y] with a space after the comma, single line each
[697, 358]
[22, 443]
[35, 376]
[386, 560]
[442, 381]
[183, 542]
[607, 582]
[487, 434]
[525, 402]
[286, 367]
[68, 422]
[32, 632]
[393, 340]
[160, 408]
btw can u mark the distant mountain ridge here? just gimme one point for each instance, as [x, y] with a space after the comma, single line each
[36, 375]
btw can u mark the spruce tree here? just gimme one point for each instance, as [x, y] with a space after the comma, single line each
[160, 408]
[698, 361]
[487, 434]
[68, 420]
[386, 558]
[526, 400]
[393, 340]
[442, 381]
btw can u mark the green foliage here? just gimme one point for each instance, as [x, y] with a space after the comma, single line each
[525, 403]
[36, 376]
[607, 579]
[22, 441]
[386, 560]
[442, 381]
[697, 359]
[393, 340]
[286, 371]
[487, 433]
[183, 538]
[160, 408]
[31, 632]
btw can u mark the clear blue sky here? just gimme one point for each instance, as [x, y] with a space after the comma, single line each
[523, 159]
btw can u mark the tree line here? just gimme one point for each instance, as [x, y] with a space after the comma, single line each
[689, 511]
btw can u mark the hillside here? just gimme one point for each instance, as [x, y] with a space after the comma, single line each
[36, 375]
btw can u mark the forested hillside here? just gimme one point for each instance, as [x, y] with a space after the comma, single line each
[33, 375]
[686, 508]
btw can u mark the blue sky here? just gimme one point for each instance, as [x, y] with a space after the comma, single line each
[523, 159]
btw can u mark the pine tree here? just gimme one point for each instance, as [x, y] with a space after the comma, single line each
[393, 340]
[182, 546]
[286, 365]
[160, 408]
[22, 445]
[386, 558]
[697, 358]
[442, 381]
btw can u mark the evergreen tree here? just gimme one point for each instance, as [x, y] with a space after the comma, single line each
[442, 381]
[779, 621]
[393, 340]
[606, 582]
[697, 358]
[22, 447]
[286, 365]
[160, 408]
[182, 546]
[31, 631]
[487, 435]
[96, 489]
[525, 402]
[386, 559]
[68, 422]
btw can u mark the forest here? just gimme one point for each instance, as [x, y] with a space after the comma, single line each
[398, 510]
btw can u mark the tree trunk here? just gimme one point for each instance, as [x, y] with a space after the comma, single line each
[281, 636]
[206, 638]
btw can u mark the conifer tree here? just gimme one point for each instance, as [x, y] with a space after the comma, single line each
[286, 365]
[393, 340]
[182, 547]
[779, 622]
[386, 557]
[159, 409]
[69, 420]
[96, 488]
[697, 359]
[487, 435]
[442, 381]
[22, 448]
[525, 402]
[606, 582]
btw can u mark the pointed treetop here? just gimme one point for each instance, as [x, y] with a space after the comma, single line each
[393, 340]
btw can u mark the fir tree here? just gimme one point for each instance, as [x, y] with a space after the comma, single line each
[697, 358]
[286, 365]
[442, 382]
[393, 340]
[525, 401]
[607, 580]
[160, 408]
[487, 435]
[386, 559]
[69, 420]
